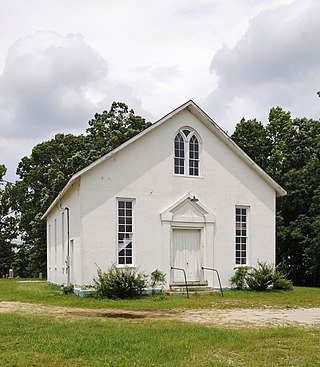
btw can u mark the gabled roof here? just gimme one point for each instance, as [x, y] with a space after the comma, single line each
[206, 120]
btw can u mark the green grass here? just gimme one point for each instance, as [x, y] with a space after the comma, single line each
[41, 341]
[24, 291]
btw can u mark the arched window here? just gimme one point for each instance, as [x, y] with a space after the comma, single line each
[186, 153]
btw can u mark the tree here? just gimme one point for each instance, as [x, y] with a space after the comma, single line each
[252, 137]
[112, 128]
[51, 164]
[292, 159]
[8, 229]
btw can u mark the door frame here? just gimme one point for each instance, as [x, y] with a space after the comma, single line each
[188, 212]
[187, 226]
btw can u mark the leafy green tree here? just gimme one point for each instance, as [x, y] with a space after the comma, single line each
[252, 137]
[44, 173]
[293, 161]
[8, 225]
[112, 128]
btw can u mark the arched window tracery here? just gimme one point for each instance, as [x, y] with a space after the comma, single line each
[186, 153]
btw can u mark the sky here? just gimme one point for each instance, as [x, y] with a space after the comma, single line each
[63, 61]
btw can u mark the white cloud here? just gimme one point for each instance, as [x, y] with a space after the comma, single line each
[52, 83]
[43, 83]
[276, 62]
[151, 55]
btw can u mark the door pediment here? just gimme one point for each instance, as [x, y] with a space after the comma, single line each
[188, 209]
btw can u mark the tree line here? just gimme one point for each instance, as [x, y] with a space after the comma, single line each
[287, 149]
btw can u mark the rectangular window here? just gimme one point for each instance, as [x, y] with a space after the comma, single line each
[125, 232]
[241, 237]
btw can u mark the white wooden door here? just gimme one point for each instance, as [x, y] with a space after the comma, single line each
[186, 254]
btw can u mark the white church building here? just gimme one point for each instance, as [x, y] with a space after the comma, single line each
[181, 194]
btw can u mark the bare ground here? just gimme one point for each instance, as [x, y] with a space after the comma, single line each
[301, 317]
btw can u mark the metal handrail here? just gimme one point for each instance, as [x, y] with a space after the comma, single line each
[185, 278]
[213, 269]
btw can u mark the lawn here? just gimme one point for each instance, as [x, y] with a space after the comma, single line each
[41, 292]
[34, 340]
[41, 341]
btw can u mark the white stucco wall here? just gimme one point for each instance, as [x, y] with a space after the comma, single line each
[144, 171]
[57, 243]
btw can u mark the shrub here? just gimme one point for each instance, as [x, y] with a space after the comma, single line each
[261, 277]
[238, 280]
[119, 283]
[157, 277]
[67, 289]
[283, 284]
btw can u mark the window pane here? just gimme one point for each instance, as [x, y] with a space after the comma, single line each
[193, 156]
[179, 153]
[125, 232]
[240, 235]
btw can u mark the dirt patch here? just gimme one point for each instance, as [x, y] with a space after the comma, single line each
[304, 317]
[301, 317]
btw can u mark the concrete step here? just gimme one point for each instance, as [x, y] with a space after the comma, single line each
[179, 289]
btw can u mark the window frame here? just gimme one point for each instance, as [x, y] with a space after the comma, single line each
[241, 239]
[125, 232]
[187, 157]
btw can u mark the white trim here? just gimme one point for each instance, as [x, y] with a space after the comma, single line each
[167, 214]
[186, 144]
[133, 201]
[248, 235]
[186, 226]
